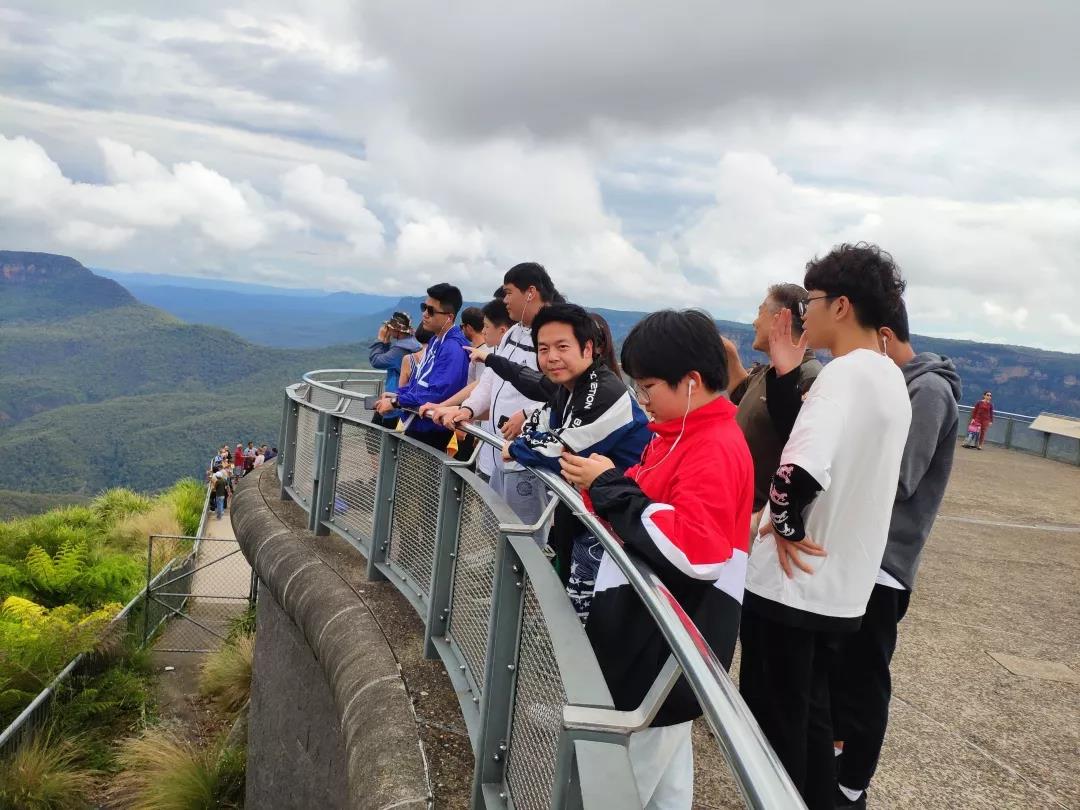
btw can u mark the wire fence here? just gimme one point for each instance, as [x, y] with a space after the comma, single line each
[534, 701]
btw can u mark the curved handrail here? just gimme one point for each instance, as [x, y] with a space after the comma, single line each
[761, 777]
[759, 774]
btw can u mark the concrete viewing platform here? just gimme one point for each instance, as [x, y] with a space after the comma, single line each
[986, 677]
[986, 706]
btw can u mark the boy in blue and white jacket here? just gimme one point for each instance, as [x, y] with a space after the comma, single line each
[588, 409]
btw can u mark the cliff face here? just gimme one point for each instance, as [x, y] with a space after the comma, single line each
[44, 286]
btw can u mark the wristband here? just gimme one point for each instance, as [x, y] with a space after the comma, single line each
[472, 413]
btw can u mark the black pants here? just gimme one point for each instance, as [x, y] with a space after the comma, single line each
[860, 686]
[784, 679]
[432, 438]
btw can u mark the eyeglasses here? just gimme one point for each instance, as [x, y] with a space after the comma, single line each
[642, 392]
[805, 305]
[430, 310]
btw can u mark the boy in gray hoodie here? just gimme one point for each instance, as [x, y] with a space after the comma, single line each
[860, 686]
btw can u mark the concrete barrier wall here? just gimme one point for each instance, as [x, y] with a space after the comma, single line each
[331, 725]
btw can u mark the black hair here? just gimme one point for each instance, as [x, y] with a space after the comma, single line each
[424, 336]
[669, 344]
[576, 317]
[495, 311]
[448, 296]
[789, 296]
[898, 323]
[531, 274]
[473, 317]
[865, 274]
[605, 346]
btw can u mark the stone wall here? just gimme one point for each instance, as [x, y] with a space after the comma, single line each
[331, 724]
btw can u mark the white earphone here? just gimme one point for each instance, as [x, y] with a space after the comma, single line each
[674, 444]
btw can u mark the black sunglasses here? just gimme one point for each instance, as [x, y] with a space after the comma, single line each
[430, 310]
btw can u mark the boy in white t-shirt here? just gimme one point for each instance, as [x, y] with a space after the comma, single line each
[823, 533]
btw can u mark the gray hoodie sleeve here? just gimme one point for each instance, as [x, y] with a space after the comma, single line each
[933, 420]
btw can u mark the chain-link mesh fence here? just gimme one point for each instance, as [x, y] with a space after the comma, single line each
[307, 424]
[202, 595]
[537, 712]
[411, 551]
[474, 576]
[357, 474]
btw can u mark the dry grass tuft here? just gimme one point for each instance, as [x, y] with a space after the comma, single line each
[226, 674]
[42, 775]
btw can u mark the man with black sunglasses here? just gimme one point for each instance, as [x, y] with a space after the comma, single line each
[443, 370]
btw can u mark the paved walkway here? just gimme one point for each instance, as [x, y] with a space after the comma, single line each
[986, 708]
[228, 576]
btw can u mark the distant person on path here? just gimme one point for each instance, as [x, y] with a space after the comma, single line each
[271, 454]
[823, 532]
[238, 457]
[983, 413]
[219, 489]
[443, 371]
[973, 430]
[860, 686]
[683, 509]
[748, 388]
[394, 341]
[249, 457]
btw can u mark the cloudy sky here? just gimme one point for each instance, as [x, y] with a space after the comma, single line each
[648, 156]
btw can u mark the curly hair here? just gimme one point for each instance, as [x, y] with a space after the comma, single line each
[865, 274]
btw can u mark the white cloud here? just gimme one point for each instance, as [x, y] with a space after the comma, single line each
[329, 201]
[360, 147]
[1004, 316]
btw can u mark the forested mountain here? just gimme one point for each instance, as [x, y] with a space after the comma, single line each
[98, 390]
[1024, 380]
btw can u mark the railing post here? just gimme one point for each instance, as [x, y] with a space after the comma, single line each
[287, 455]
[500, 665]
[1045, 444]
[327, 441]
[281, 434]
[1009, 424]
[384, 505]
[442, 568]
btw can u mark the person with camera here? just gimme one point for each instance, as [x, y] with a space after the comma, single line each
[394, 342]
[442, 371]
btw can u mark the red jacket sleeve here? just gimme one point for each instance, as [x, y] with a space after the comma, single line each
[692, 529]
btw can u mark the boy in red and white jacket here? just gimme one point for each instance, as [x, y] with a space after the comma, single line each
[684, 510]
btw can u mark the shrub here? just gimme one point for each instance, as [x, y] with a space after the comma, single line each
[226, 673]
[132, 533]
[114, 505]
[43, 775]
[111, 704]
[187, 497]
[162, 771]
[38, 642]
[75, 576]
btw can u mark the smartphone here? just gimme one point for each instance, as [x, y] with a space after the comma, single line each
[369, 403]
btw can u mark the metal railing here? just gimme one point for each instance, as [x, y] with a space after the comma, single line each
[536, 706]
[1013, 431]
[130, 623]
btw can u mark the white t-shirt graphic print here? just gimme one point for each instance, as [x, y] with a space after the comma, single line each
[850, 436]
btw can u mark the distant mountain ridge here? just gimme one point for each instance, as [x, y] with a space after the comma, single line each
[98, 390]
[44, 286]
